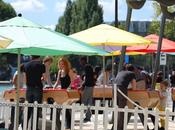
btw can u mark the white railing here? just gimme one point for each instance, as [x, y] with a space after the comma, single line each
[77, 116]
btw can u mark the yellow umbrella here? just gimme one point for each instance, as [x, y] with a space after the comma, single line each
[115, 53]
[106, 35]
[4, 42]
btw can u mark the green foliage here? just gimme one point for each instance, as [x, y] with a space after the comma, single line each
[6, 11]
[169, 29]
[54, 66]
[64, 21]
[80, 15]
[155, 25]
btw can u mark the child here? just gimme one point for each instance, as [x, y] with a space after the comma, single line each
[89, 82]
[22, 78]
[163, 99]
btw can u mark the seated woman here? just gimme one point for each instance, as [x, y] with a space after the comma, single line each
[63, 77]
[75, 79]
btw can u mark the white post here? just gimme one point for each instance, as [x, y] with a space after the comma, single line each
[73, 116]
[6, 117]
[35, 116]
[54, 116]
[63, 117]
[44, 117]
[125, 117]
[135, 118]
[81, 116]
[166, 119]
[96, 115]
[115, 123]
[105, 116]
[156, 120]
[145, 118]
[25, 121]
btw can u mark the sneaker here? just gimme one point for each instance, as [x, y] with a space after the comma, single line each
[86, 120]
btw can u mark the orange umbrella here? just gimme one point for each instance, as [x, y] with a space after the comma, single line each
[167, 45]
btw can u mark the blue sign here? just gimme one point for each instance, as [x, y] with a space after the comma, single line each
[126, 59]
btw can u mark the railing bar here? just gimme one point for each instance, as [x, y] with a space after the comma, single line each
[135, 118]
[97, 104]
[63, 117]
[35, 116]
[125, 117]
[81, 116]
[54, 117]
[115, 117]
[73, 116]
[25, 117]
[166, 119]
[6, 117]
[156, 120]
[145, 118]
[106, 115]
[44, 117]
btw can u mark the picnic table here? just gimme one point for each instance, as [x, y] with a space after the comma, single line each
[60, 96]
[144, 98]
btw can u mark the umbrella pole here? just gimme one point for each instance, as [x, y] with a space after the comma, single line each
[17, 93]
[122, 56]
[104, 80]
[113, 68]
[156, 66]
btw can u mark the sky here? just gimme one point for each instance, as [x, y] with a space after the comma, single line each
[47, 12]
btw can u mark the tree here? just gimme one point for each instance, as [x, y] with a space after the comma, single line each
[155, 25]
[6, 11]
[80, 15]
[64, 21]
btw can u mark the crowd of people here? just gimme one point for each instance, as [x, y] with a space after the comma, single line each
[35, 75]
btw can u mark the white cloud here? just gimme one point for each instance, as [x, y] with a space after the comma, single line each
[109, 9]
[28, 5]
[60, 6]
[52, 27]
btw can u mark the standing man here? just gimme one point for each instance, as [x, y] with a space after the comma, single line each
[83, 62]
[123, 79]
[34, 70]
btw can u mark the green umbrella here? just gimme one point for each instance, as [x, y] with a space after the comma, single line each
[33, 39]
[37, 40]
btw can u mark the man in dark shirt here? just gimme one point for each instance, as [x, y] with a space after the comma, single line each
[123, 79]
[34, 70]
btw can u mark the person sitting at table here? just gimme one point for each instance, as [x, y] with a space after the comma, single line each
[64, 80]
[75, 79]
[105, 76]
[47, 62]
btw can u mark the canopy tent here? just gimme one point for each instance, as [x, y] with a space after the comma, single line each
[167, 45]
[4, 42]
[115, 53]
[33, 39]
[106, 35]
